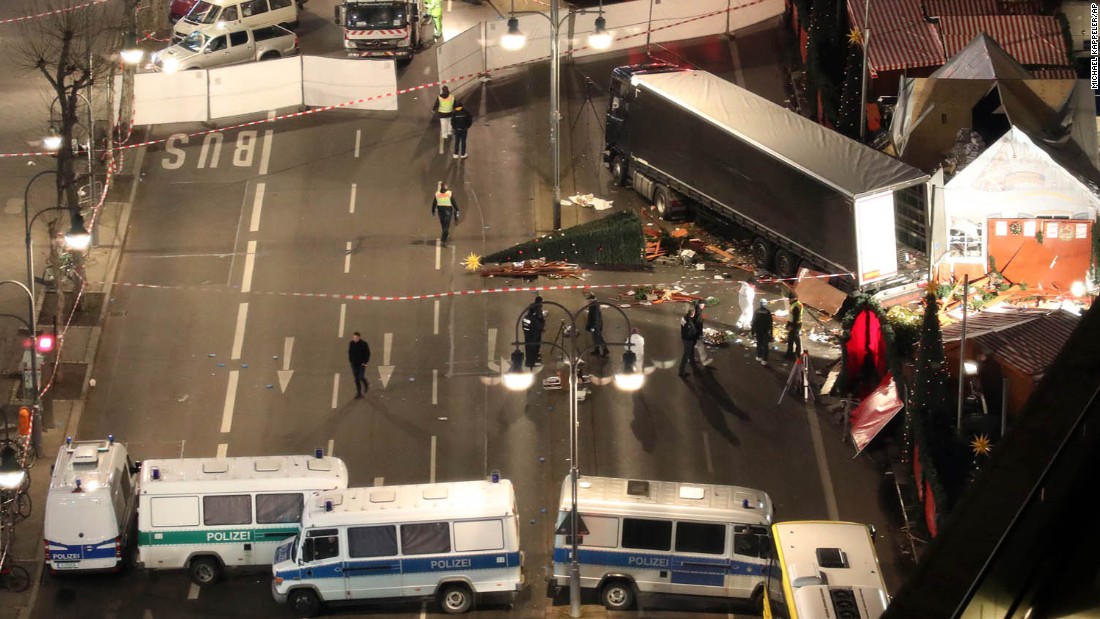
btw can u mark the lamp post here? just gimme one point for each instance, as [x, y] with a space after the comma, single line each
[630, 379]
[36, 428]
[514, 39]
[52, 141]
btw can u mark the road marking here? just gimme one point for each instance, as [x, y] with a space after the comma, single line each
[343, 316]
[230, 401]
[238, 336]
[431, 475]
[423, 610]
[822, 463]
[193, 592]
[257, 207]
[358, 138]
[706, 453]
[331, 447]
[335, 388]
[492, 356]
[347, 259]
[379, 481]
[438, 253]
[265, 154]
[351, 204]
[385, 371]
[223, 449]
[435, 320]
[249, 266]
[286, 373]
[435, 386]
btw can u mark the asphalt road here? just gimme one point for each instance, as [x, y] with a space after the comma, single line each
[231, 235]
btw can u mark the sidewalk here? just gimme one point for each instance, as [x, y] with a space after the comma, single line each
[77, 356]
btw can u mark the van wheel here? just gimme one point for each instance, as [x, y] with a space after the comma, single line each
[270, 56]
[204, 570]
[786, 264]
[617, 595]
[304, 602]
[763, 252]
[456, 599]
[619, 170]
[757, 600]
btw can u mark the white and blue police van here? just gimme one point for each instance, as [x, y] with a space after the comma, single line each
[449, 541]
[208, 514]
[638, 536]
[90, 506]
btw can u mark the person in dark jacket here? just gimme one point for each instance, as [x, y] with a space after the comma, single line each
[688, 336]
[533, 323]
[358, 357]
[461, 121]
[700, 346]
[762, 331]
[594, 325]
[445, 204]
[794, 327]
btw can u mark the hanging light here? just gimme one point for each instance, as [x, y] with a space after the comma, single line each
[600, 38]
[130, 52]
[11, 473]
[77, 237]
[515, 379]
[514, 39]
[631, 378]
[52, 141]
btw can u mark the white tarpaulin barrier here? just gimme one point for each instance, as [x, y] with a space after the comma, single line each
[372, 84]
[461, 56]
[255, 87]
[675, 21]
[170, 98]
[751, 12]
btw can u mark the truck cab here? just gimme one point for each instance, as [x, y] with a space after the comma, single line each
[616, 153]
[383, 28]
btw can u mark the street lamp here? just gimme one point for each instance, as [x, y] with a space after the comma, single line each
[517, 379]
[12, 473]
[514, 40]
[52, 141]
[130, 52]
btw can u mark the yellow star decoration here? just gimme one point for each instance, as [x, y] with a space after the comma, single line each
[855, 37]
[472, 262]
[981, 445]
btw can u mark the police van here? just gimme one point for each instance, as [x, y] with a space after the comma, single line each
[451, 541]
[207, 514]
[89, 506]
[664, 537]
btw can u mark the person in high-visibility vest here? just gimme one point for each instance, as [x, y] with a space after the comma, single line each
[435, 9]
[447, 207]
[794, 327]
[444, 107]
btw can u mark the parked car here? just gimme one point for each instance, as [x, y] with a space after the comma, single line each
[179, 8]
[220, 46]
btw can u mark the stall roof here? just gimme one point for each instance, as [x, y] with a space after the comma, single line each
[1027, 339]
[901, 38]
[1030, 39]
[844, 164]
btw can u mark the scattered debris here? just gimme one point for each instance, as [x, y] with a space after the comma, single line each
[659, 295]
[587, 200]
[533, 268]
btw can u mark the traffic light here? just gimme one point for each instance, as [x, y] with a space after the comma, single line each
[44, 342]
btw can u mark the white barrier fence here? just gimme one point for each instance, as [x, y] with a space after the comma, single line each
[203, 95]
[631, 24]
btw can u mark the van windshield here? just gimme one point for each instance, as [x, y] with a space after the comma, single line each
[377, 16]
[194, 41]
[203, 13]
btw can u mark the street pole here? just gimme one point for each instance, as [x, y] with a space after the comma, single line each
[962, 355]
[574, 563]
[865, 77]
[555, 111]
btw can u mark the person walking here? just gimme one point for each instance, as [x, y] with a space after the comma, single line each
[444, 106]
[688, 337]
[461, 121]
[447, 207]
[745, 297]
[700, 343]
[534, 321]
[762, 331]
[794, 327]
[358, 357]
[435, 9]
[637, 346]
[594, 325]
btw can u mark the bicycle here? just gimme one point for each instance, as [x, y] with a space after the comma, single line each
[14, 578]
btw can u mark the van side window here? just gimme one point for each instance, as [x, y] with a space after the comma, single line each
[603, 531]
[253, 7]
[321, 544]
[425, 538]
[701, 538]
[174, 511]
[238, 38]
[230, 509]
[230, 14]
[372, 541]
[279, 4]
[647, 534]
[751, 541]
[125, 483]
[278, 508]
[479, 535]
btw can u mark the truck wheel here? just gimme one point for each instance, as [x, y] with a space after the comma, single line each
[662, 201]
[304, 602]
[619, 170]
[270, 56]
[786, 264]
[456, 599]
[763, 252]
[204, 570]
[617, 595]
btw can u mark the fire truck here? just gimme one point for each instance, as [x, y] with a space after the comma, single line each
[384, 28]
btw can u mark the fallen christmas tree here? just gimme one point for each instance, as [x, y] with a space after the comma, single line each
[615, 239]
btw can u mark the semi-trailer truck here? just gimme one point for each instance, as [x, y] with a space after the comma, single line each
[807, 196]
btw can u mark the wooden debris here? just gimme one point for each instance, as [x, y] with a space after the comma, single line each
[660, 295]
[722, 254]
[533, 268]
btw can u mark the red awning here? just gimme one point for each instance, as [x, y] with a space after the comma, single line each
[874, 412]
[939, 8]
[900, 36]
[1030, 39]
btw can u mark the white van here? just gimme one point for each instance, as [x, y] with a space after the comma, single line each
[664, 537]
[206, 514]
[453, 541]
[89, 506]
[246, 13]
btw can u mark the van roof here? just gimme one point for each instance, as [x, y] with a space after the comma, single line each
[413, 503]
[213, 475]
[664, 499]
[94, 463]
